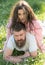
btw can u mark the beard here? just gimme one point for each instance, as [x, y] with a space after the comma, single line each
[20, 43]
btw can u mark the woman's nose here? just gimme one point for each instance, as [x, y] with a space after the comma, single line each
[22, 16]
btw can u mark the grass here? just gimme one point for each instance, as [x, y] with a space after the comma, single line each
[5, 8]
[39, 60]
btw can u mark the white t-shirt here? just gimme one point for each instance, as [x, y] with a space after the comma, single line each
[30, 45]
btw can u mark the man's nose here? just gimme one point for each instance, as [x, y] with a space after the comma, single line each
[19, 38]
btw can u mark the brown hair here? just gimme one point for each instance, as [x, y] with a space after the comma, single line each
[20, 5]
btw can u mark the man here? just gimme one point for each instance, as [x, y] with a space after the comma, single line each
[21, 41]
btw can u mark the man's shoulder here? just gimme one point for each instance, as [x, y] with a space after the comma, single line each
[11, 38]
[29, 34]
[11, 43]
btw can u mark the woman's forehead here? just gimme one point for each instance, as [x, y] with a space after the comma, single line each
[22, 10]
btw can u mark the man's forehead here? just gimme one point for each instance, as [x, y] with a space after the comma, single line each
[19, 32]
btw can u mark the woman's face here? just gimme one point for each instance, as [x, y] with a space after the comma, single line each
[22, 15]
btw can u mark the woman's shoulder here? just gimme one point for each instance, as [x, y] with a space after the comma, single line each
[9, 23]
[37, 23]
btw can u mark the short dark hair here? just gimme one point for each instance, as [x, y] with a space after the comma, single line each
[18, 26]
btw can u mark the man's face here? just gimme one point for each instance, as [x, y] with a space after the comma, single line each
[20, 38]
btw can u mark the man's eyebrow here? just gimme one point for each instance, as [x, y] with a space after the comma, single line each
[16, 35]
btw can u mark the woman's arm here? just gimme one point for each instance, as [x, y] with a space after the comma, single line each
[8, 33]
[8, 29]
[38, 35]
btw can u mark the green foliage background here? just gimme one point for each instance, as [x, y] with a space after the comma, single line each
[5, 8]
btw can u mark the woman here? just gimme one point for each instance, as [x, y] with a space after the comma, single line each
[23, 12]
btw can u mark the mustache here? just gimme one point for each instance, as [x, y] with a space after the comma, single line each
[20, 40]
